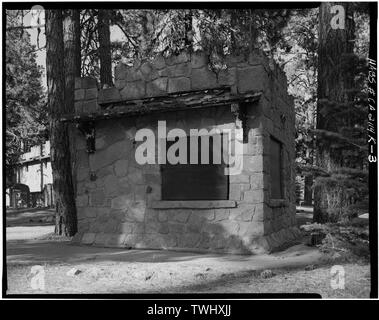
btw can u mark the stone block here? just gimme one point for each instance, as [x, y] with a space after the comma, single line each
[136, 210]
[101, 238]
[111, 186]
[159, 62]
[79, 94]
[88, 238]
[82, 174]
[199, 60]
[138, 228]
[162, 216]
[157, 87]
[107, 156]
[234, 245]
[90, 106]
[254, 196]
[135, 177]
[195, 223]
[229, 227]
[78, 105]
[244, 212]
[235, 192]
[97, 198]
[221, 214]
[189, 240]
[233, 60]
[203, 79]
[140, 192]
[91, 93]
[163, 228]
[78, 83]
[109, 95]
[179, 84]
[120, 84]
[90, 212]
[121, 167]
[133, 74]
[148, 71]
[239, 178]
[152, 179]
[88, 82]
[253, 78]
[131, 240]
[176, 227]
[257, 181]
[82, 201]
[134, 90]
[181, 216]
[162, 73]
[252, 164]
[116, 240]
[81, 214]
[212, 229]
[102, 173]
[120, 202]
[251, 230]
[226, 78]
[260, 245]
[120, 71]
[209, 214]
[218, 242]
[204, 242]
[175, 59]
[111, 226]
[77, 238]
[178, 70]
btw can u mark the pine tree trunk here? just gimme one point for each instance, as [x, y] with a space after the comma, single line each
[66, 221]
[332, 85]
[105, 48]
[188, 29]
[71, 43]
[77, 36]
[308, 182]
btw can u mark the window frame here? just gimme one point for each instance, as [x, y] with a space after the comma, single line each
[281, 169]
[192, 200]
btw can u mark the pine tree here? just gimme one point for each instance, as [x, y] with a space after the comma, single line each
[105, 48]
[340, 142]
[25, 105]
[66, 221]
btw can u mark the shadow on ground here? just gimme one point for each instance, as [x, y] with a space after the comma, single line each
[29, 217]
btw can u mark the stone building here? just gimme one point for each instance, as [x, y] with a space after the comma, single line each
[185, 206]
[30, 179]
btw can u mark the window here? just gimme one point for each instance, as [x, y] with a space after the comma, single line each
[196, 181]
[276, 169]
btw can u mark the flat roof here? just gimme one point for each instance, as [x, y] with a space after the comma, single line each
[171, 102]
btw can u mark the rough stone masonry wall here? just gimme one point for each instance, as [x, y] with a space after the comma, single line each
[114, 193]
[277, 120]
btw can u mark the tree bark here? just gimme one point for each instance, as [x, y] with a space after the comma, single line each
[72, 61]
[77, 36]
[332, 85]
[308, 193]
[188, 29]
[66, 220]
[105, 49]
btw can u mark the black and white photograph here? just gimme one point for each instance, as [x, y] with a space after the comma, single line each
[189, 149]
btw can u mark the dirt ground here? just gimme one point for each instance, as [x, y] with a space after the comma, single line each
[299, 269]
[186, 277]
